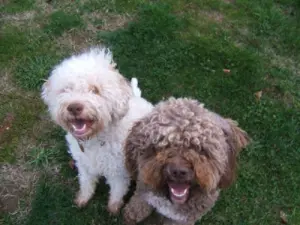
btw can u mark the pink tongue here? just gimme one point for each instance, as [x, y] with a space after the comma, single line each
[78, 124]
[179, 188]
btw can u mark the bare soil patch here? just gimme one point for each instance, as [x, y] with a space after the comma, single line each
[16, 184]
[106, 21]
[215, 16]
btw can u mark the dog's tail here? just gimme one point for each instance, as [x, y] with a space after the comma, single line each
[136, 90]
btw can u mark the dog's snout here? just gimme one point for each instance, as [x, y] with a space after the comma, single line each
[178, 172]
[75, 108]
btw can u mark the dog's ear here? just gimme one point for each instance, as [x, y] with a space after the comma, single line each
[46, 87]
[139, 149]
[204, 170]
[132, 148]
[237, 139]
[119, 96]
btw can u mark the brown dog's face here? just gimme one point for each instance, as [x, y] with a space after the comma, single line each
[182, 148]
[176, 172]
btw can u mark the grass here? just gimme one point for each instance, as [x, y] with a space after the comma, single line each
[177, 48]
[16, 6]
[18, 116]
[61, 21]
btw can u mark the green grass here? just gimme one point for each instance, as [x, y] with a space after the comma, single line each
[61, 21]
[108, 6]
[16, 6]
[24, 112]
[31, 72]
[178, 48]
[60, 197]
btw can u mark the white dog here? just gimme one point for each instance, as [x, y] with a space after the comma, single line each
[97, 106]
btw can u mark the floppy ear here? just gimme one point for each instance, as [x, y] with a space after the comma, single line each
[141, 142]
[132, 148]
[239, 136]
[237, 139]
[46, 87]
[204, 170]
[119, 96]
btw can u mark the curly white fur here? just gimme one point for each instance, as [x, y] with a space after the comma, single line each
[110, 105]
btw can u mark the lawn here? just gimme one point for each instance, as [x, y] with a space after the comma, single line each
[239, 57]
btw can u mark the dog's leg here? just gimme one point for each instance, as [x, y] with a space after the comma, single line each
[137, 210]
[87, 184]
[118, 189]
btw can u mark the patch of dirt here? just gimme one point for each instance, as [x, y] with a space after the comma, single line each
[6, 85]
[44, 7]
[109, 22]
[19, 19]
[29, 15]
[283, 61]
[76, 41]
[16, 183]
[244, 31]
[213, 15]
[229, 1]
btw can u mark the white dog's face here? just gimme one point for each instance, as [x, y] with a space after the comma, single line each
[84, 96]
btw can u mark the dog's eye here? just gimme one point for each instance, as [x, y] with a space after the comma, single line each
[63, 90]
[67, 88]
[95, 90]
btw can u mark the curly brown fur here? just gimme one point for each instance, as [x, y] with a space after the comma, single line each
[181, 154]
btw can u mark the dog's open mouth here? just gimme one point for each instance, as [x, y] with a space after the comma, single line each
[179, 193]
[80, 126]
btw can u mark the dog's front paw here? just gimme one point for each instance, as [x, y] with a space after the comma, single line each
[81, 201]
[114, 207]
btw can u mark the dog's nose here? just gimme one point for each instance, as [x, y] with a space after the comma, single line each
[75, 108]
[178, 172]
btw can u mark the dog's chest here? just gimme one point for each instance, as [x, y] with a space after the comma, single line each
[99, 156]
[107, 156]
[164, 207]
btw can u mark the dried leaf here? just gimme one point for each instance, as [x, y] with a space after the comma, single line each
[283, 217]
[72, 164]
[7, 123]
[258, 95]
[226, 70]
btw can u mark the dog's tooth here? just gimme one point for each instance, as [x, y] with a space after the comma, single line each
[177, 194]
[81, 129]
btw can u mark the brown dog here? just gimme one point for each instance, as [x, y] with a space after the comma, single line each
[180, 155]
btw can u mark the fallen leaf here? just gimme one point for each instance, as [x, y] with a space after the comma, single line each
[7, 123]
[258, 95]
[226, 70]
[283, 217]
[72, 164]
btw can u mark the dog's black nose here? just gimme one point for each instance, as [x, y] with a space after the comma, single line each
[178, 172]
[75, 108]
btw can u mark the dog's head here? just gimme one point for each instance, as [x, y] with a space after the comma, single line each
[181, 146]
[85, 93]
